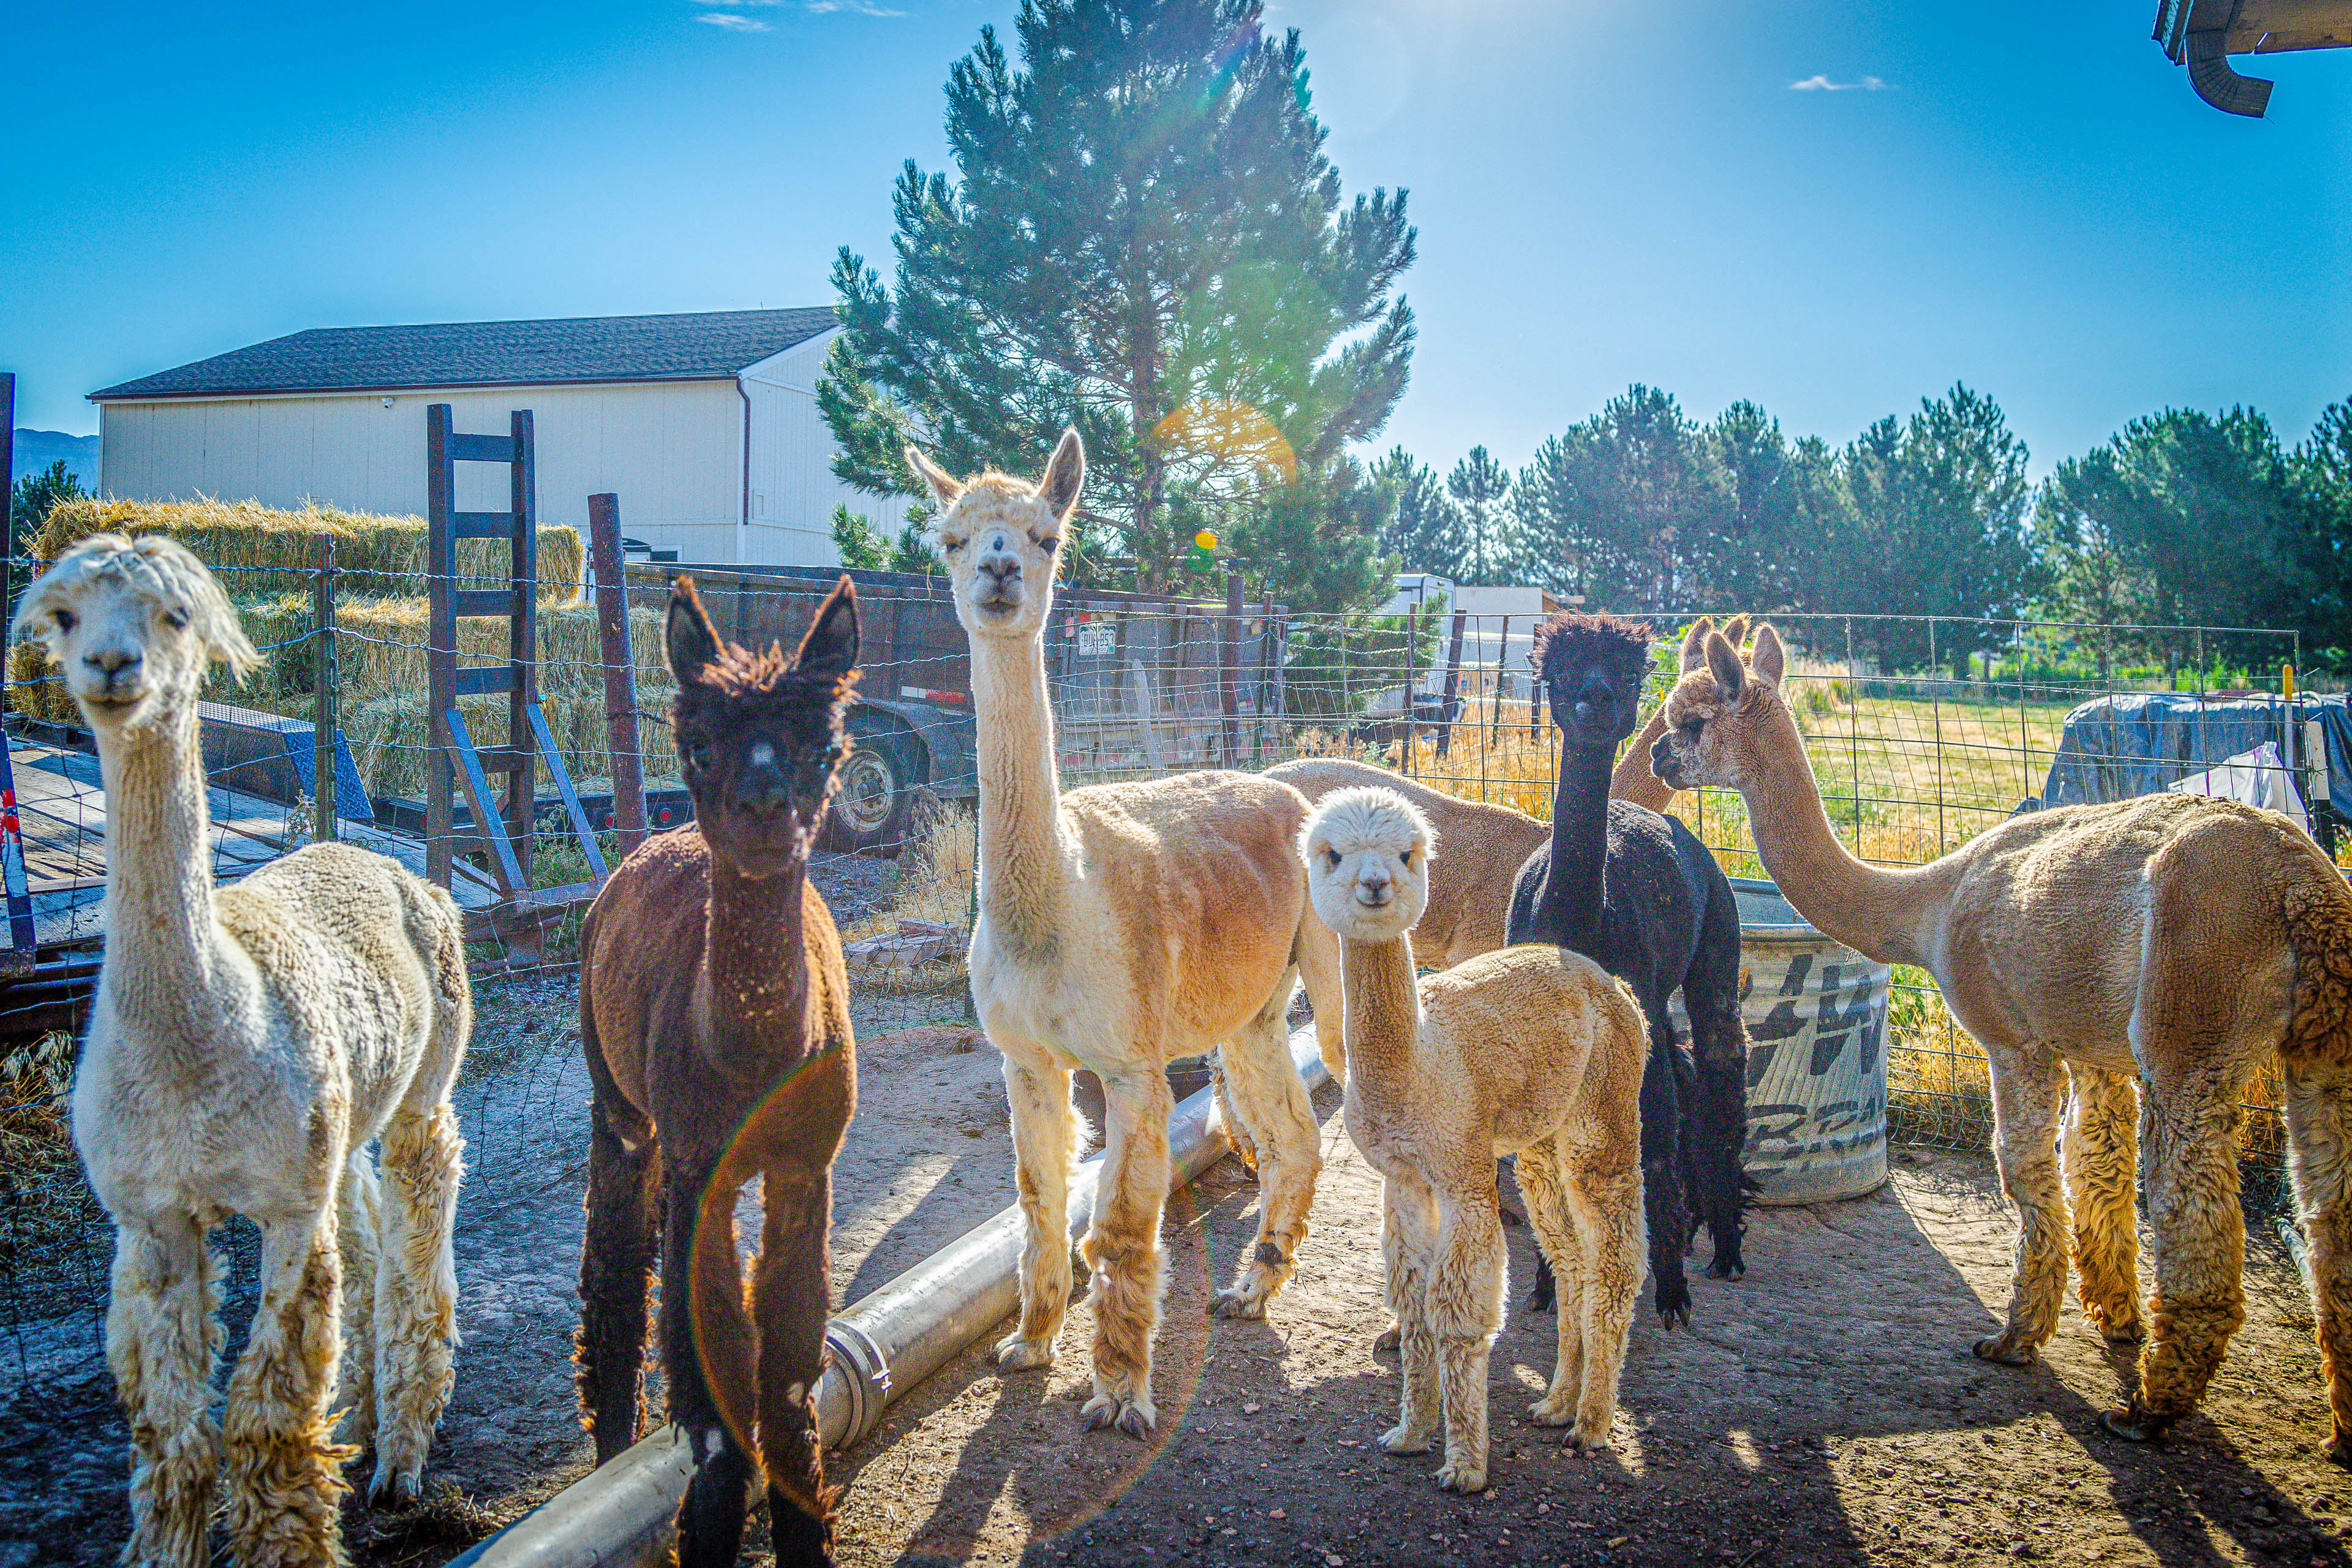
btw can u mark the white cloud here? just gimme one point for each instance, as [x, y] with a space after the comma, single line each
[1824, 84]
[862, 8]
[732, 22]
[741, 2]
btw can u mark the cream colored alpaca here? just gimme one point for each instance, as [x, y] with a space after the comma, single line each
[1531, 1050]
[2178, 940]
[246, 1045]
[1121, 927]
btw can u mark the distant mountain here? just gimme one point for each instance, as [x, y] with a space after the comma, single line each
[37, 449]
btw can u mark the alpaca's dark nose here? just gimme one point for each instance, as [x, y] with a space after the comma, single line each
[1372, 889]
[113, 663]
[1003, 568]
[760, 791]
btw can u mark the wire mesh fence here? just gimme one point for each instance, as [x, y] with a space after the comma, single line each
[1911, 763]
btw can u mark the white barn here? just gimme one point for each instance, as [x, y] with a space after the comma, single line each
[706, 425]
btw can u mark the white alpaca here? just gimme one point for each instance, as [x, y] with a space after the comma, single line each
[246, 1045]
[1529, 1050]
[1121, 927]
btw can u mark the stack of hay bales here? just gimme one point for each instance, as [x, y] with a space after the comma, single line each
[268, 559]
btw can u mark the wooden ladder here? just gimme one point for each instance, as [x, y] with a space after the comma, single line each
[504, 827]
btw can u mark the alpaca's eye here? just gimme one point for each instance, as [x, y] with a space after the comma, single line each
[1049, 544]
[1333, 857]
[176, 619]
[1404, 857]
[66, 622]
[1690, 727]
[699, 753]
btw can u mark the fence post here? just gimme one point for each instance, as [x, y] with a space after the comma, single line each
[1935, 708]
[323, 721]
[620, 671]
[1452, 687]
[1411, 639]
[1229, 675]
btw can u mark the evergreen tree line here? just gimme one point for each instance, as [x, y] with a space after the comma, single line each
[2180, 518]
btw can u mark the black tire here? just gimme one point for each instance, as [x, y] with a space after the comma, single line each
[875, 804]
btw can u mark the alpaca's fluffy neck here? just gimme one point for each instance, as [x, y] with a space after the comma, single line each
[1022, 866]
[1567, 910]
[1883, 914]
[754, 982]
[160, 932]
[1380, 1004]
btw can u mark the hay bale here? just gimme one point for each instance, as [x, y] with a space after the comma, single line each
[261, 551]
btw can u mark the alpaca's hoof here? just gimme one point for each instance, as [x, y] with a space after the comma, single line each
[2126, 1337]
[1674, 1305]
[2135, 1425]
[2338, 1449]
[1554, 1411]
[1014, 1353]
[1586, 1443]
[1241, 1301]
[1511, 1215]
[1726, 1267]
[395, 1493]
[1403, 1439]
[1134, 1416]
[1998, 1352]
[1390, 1342]
[1540, 1298]
[1461, 1477]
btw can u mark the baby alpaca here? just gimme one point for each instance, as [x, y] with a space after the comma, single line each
[1528, 1050]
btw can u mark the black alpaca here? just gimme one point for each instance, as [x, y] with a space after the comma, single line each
[1637, 893]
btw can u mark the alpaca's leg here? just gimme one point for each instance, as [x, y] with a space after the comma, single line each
[1465, 1314]
[792, 1293]
[416, 1293]
[1556, 1237]
[2100, 1150]
[706, 1354]
[1042, 1130]
[1122, 1248]
[1318, 967]
[2027, 1085]
[357, 1227]
[1603, 1189]
[2189, 1129]
[161, 1337]
[616, 1264]
[2319, 1142]
[285, 1469]
[1407, 1256]
[1662, 1171]
[1715, 1119]
[1266, 1088]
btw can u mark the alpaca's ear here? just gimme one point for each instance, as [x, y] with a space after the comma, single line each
[1065, 475]
[1735, 630]
[1695, 643]
[830, 646]
[173, 571]
[944, 490]
[691, 641]
[1770, 658]
[1723, 663]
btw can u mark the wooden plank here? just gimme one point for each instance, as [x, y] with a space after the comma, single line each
[441, 635]
[486, 821]
[480, 524]
[485, 680]
[580, 828]
[481, 449]
[522, 630]
[500, 602]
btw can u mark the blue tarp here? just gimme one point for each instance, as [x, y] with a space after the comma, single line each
[2119, 747]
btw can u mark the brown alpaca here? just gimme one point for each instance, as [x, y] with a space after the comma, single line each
[1533, 1049]
[1121, 927]
[715, 1013]
[2178, 940]
[1632, 779]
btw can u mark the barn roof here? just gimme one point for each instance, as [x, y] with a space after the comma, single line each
[703, 346]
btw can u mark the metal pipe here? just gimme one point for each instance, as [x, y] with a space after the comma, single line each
[883, 1346]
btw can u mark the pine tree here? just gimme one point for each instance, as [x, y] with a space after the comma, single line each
[1620, 502]
[1145, 240]
[1424, 529]
[1479, 485]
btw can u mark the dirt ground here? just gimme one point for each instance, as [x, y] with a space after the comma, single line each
[1824, 1410]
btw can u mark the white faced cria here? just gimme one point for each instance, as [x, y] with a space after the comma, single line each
[1003, 538]
[1367, 852]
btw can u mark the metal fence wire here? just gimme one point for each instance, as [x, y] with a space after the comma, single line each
[1910, 765]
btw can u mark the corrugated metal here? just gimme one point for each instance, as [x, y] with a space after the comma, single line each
[673, 452]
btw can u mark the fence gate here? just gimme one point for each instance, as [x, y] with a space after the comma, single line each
[503, 826]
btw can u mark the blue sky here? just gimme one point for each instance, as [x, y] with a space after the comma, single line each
[1605, 193]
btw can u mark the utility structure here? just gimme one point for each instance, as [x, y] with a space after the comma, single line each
[2203, 34]
[502, 828]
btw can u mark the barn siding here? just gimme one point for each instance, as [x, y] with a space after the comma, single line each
[671, 450]
[793, 489]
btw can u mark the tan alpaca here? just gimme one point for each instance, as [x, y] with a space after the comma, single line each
[1632, 779]
[1121, 927]
[1531, 1050]
[2177, 940]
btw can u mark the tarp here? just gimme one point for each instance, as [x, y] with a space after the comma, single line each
[2259, 778]
[2139, 743]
